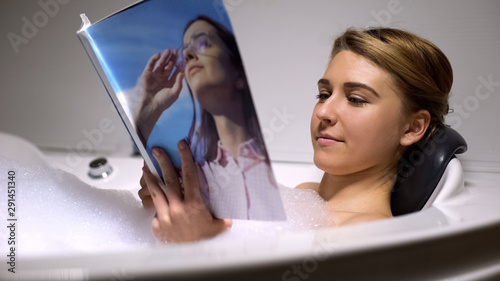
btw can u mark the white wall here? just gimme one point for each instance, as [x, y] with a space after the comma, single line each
[50, 93]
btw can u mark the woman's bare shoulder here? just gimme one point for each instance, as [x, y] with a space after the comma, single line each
[308, 185]
[365, 217]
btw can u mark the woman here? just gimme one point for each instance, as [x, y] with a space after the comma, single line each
[383, 90]
[229, 138]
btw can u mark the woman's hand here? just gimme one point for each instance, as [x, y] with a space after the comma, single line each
[144, 194]
[161, 85]
[181, 215]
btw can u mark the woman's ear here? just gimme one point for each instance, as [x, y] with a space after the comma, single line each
[416, 127]
[241, 82]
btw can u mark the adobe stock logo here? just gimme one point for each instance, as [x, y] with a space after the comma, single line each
[277, 123]
[86, 146]
[30, 27]
[384, 16]
[226, 6]
[484, 90]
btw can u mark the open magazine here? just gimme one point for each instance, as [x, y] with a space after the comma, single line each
[174, 72]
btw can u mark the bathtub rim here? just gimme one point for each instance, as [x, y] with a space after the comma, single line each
[127, 257]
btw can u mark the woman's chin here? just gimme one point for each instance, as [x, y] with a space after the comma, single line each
[194, 84]
[329, 165]
[325, 165]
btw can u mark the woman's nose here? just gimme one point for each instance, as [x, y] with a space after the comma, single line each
[188, 54]
[327, 111]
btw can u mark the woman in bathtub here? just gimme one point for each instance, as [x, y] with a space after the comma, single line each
[235, 174]
[383, 90]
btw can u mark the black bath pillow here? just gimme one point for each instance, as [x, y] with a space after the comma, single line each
[421, 168]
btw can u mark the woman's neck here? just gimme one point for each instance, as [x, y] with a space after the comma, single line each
[360, 196]
[232, 130]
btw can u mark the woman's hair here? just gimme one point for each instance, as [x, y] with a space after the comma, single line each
[419, 69]
[207, 135]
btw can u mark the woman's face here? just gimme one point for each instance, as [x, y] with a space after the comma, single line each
[207, 64]
[357, 122]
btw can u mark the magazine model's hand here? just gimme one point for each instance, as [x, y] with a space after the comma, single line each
[161, 84]
[181, 215]
[161, 87]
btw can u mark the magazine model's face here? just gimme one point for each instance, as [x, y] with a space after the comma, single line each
[208, 70]
[358, 121]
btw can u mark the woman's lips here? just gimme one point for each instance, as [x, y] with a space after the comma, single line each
[325, 140]
[193, 69]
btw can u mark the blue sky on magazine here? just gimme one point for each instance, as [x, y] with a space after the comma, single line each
[127, 40]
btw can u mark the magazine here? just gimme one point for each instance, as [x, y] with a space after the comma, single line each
[174, 72]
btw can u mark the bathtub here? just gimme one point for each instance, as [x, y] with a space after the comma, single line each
[454, 240]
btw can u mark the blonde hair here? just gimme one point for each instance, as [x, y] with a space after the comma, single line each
[419, 68]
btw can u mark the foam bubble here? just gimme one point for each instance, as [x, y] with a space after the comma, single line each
[58, 214]
[305, 211]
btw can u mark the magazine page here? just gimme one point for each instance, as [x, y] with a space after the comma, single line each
[174, 72]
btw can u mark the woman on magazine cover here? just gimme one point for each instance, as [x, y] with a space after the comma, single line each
[383, 90]
[235, 174]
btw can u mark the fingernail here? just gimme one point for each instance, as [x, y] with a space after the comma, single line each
[156, 152]
[145, 168]
[182, 145]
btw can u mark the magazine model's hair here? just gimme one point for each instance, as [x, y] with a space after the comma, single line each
[207, 136]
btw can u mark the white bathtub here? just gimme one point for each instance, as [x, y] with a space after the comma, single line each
[456, 240]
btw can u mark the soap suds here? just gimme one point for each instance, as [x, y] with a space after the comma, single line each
[59, 214]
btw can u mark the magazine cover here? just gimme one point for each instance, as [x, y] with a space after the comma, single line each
[174, 72]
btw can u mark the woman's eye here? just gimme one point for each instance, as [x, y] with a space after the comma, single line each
[202, 44]
[356, 101]
[322, 96]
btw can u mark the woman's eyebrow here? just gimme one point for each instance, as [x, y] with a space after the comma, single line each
[353, 85]
[199, 34]
[195, 36]
[324, 82]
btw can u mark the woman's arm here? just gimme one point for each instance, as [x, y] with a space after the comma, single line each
[180, 216]
[161, 86]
